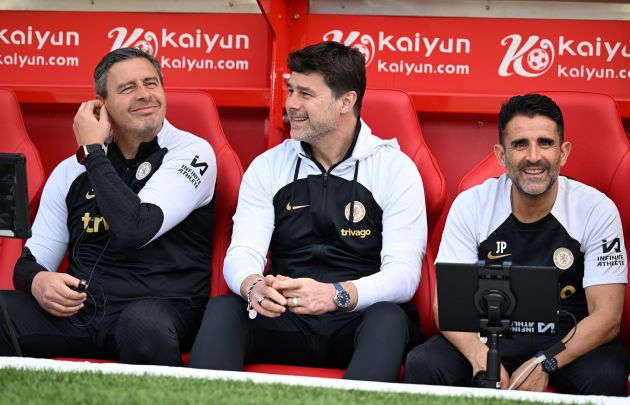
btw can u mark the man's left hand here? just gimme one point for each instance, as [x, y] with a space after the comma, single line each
[537, 380]
[311, 297]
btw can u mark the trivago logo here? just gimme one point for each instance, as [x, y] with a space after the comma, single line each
[151, 42]
[530, 59]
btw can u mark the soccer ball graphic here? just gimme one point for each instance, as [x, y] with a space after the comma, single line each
[145, 46]
[538, 59]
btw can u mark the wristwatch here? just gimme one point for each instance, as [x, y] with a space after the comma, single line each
[550, 365]
[85, 150]
[341, 298]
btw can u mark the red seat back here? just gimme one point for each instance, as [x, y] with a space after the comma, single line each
[600, 157]
[196, 113]
[14, 139]
[391, 114]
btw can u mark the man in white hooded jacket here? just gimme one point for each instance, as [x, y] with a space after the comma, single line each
[342, 214]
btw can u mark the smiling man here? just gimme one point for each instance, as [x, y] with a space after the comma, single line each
[342, 213]
[533, 216]
[136, 227]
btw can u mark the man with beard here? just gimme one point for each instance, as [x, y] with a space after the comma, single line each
[136, 226]
[342, 214]
[540, 218]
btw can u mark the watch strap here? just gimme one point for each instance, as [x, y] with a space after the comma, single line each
[84, 151]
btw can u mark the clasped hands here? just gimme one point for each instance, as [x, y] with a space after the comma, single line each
[275, 294]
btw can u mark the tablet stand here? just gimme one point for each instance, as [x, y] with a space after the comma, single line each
[495, 300]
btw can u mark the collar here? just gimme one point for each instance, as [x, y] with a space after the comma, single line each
[309, 151]
[144, 150]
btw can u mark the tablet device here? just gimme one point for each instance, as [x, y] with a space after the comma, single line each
[533, 290]
[14, 211]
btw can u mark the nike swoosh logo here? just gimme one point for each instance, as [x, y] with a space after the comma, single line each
[296, 207]
[89, 196]
[493, 257]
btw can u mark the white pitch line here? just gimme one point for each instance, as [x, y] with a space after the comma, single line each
[117, 368]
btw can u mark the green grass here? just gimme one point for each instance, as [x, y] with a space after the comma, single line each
[45, 387]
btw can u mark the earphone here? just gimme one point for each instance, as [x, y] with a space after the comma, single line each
[85, 284]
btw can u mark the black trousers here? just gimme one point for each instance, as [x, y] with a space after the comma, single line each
[369, 344]
[602, 371]
[146, 331]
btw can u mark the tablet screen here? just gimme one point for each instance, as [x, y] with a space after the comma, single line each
[14, 211]
[534, 290]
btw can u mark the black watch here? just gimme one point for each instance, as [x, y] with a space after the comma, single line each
[550, 365]
[341, 298]
[85, 150]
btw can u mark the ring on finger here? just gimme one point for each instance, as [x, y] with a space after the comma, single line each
[261, 299]
[295, 301]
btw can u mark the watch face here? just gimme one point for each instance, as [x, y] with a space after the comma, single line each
[342, 299]
[550, 365]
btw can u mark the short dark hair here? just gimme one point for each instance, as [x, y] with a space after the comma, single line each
[342, 67]
[530, 105]
[115, 56]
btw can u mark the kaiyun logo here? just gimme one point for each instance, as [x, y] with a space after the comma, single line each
[151, 42]
[363, 43]
[412, 45]
[532, 58]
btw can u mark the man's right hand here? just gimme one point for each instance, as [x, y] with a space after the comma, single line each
[90, 128]
[273, 305]
[478, 360]
[476, 352]
[54, 293]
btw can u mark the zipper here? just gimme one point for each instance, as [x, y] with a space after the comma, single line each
[322, 218]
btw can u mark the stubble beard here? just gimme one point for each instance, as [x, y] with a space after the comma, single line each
[521, 184]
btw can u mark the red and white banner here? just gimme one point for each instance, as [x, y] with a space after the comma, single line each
[421, 55]
[195, 50]
[485, 56]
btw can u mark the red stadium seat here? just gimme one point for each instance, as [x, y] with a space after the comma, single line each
[14, 139]
[600, 157]
[196, 113]
[391, 114]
